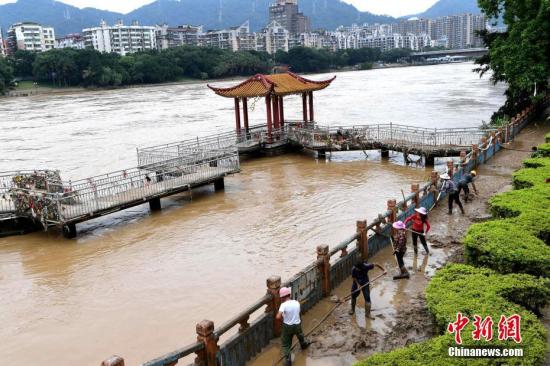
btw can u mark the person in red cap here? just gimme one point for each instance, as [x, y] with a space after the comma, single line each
[419, 220]
[289, 313]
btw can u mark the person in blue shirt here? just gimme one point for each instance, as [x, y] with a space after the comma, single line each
[464, 182]
[360, 277]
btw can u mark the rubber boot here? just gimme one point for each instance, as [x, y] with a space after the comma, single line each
[462, 210]
[404, 274]
[450, 212]
[305, 345]
[415, 249]
[353, 302]
[367, 310]
[288, 361]
[426, 248]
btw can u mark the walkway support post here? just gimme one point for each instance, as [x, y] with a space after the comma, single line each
[155, 205]
[311, 117]
[276, 120]
[113, 361]
[219, 185]
[237, 116]
[304, 107]
[269, 120]
[245, 114]
[205, 334]
[281, 112]
[363, 240]
[273, 287]
[415, 188]
[323, 262]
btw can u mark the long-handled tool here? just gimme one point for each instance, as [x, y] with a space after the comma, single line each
[324, 318]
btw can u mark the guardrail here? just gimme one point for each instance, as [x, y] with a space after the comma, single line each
[332, 266]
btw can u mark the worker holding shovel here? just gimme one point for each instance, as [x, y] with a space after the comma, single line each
[399, 242]
[360, 277]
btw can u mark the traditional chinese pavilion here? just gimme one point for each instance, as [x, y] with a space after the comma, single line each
[274, 88]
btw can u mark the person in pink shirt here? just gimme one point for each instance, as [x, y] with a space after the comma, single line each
[419, 221]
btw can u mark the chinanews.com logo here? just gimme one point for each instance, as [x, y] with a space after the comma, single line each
[508, 328]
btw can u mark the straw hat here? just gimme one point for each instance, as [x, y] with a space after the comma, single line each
[399, 225]
[285, 291]
[421, 210]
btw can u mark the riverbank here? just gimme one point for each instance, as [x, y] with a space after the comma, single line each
[399, 307]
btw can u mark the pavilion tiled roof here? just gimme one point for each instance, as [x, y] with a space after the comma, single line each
[277, 84]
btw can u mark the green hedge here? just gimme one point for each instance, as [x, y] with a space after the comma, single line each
[547, 137]
[519, 240]
[477, 291]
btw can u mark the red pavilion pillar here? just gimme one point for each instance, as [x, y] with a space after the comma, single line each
[281, 111]
[237, 116]
[269, 121]
[304, 106]
[311, 118]
[276, 120]
[245, 114]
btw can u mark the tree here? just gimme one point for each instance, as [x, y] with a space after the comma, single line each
[520, 55]
[6, 76]
[22, 63]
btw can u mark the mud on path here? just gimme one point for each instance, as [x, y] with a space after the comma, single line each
[399, 308]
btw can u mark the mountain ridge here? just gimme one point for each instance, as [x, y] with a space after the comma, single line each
[326, 14]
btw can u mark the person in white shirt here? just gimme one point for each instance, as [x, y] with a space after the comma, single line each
[289, 313]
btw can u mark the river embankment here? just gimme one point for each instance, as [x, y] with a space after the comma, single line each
[400, 310]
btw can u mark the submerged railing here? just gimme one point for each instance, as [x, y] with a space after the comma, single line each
[332, 266]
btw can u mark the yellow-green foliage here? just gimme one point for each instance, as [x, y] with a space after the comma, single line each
[476, 291]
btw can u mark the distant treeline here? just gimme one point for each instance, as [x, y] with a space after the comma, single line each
[90, 68]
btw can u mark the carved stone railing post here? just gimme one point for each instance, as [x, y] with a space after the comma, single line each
[415, 188]
[450, 168]
[273, 287]
[205, 334]
[363, 241]
[243, 324]
[323, 258]
[113, 361]
[484, 147]
[475, 154]
[463, 158]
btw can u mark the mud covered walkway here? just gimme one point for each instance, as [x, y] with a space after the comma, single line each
[399, 308]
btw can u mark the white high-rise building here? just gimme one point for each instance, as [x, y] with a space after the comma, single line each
[2, 46]
[276, 38]
[30, 36]
[120, 38]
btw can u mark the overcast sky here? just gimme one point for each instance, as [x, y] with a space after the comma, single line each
[390, 7]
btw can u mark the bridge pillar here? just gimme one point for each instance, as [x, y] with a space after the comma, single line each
[154, 204]
[430, 160]
[273, 287]
[219, 185]
[385, 153]
[69, 231]
[321, 154]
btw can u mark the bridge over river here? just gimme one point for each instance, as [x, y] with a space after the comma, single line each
[164, 170]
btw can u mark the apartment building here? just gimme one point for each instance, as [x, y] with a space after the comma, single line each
[30, 36]
[120, 38]
[183, 35]
[287, 14]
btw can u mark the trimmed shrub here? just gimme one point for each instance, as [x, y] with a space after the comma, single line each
[477, 291]
[507, 247]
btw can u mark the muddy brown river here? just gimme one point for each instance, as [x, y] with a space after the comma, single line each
[135, 283]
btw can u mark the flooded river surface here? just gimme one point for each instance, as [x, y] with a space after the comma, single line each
[135, 284]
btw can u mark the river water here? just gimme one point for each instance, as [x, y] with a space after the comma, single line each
[135, 284]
